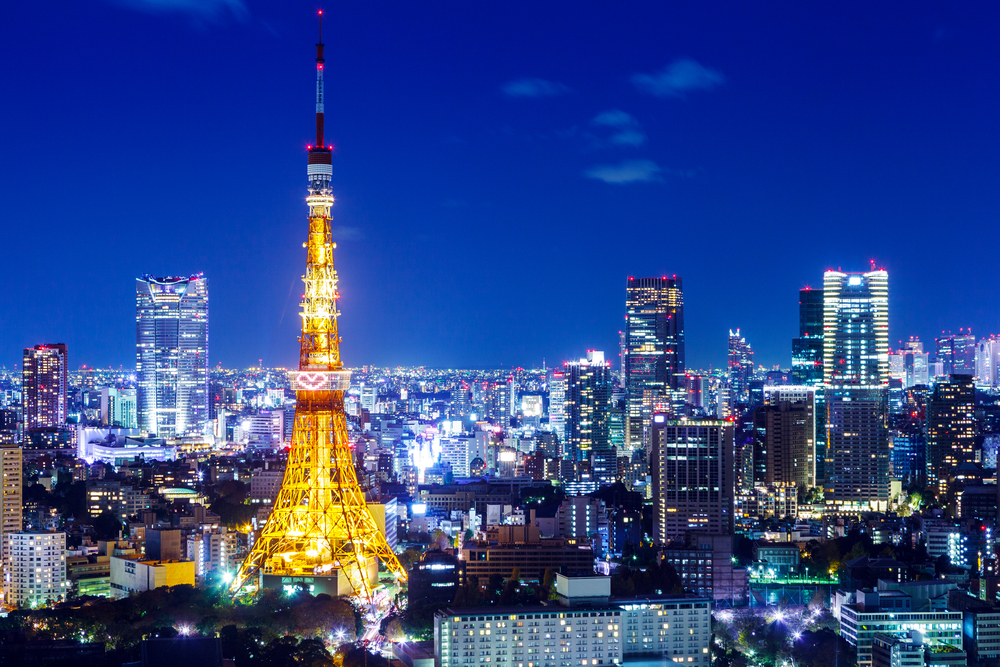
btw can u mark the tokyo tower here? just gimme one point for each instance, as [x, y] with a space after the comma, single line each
[320, 532]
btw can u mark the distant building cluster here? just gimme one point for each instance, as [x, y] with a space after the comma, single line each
[729, 479]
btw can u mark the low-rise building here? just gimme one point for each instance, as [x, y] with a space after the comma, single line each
[89, 576]
[777, 558]
[587, 627]
[132, 574]
[510, 547]
[895, 611]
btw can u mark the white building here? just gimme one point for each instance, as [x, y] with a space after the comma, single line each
[37, 568]
[213, 549]
[586, 628]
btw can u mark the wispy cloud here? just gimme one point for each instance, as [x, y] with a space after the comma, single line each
[202, 9]
[626, 129]
[678, 78]
[346, 234]
[628, 171]
[534, 88]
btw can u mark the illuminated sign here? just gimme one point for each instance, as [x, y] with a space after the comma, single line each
[319, 380]
[418, 508]
[508, 457]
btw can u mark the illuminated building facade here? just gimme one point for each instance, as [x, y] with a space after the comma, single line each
[910, 364]
[37, 568]
[695, 477]
[653, 350]
[807, 349]
[320, 532]
[45, 385]
[11, 501]
[856, 378]
[557, 405]
[740, 366]
[951, 428]
[957, 353]
[856, 328]
[171, 355]
[118, 408]
[588, 399]
[790, 435]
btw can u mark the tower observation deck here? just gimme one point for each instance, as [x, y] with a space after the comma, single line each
[320, 532]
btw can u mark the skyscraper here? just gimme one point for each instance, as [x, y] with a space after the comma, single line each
[988, 362]
[557, 406]
[45, 385]
[790, 435]
[957, 352]
[856, 378]
[653, 351]
[171, 355]
[807, 366]
[588, 400]
[740, 366]
[951, 428]
[11, 502]
[694, 482]
[856, 328]
[807, 349]
[909, 364]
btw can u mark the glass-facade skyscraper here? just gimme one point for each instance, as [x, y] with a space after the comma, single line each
[856, 379]
[171, 355]
[653, 350]
[587, 407]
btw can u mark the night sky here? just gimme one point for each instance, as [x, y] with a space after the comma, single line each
[500, 169]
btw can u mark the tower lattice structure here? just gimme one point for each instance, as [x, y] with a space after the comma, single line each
[320, 523]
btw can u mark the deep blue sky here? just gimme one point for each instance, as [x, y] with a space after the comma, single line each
[759, 144]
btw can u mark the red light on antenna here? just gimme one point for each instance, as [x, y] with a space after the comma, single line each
[321, 12]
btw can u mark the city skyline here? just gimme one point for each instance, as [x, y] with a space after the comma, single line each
[417, 210]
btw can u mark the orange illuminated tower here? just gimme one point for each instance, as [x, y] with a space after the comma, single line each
[320, 532]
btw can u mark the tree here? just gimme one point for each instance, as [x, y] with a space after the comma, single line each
[548, 584]
[509, 595]
[107, 526]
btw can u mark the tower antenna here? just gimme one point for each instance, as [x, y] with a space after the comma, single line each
[319, 84]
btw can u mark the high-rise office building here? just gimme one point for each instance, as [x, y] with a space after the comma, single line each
[790, 435]
[856, 378]
[988, 362]
[957, 352]
[807, 366]
[807, 349]
[740, 366]
[11, 497]
[856, 328]
[45, 386]
[909, 364]
[588, 401]
[694, 481]
[171, 358]
[951, 428]
[118, 407]
[653, 350]
[557, 406]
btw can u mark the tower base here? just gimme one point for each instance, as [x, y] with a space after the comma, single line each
[334, 583]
